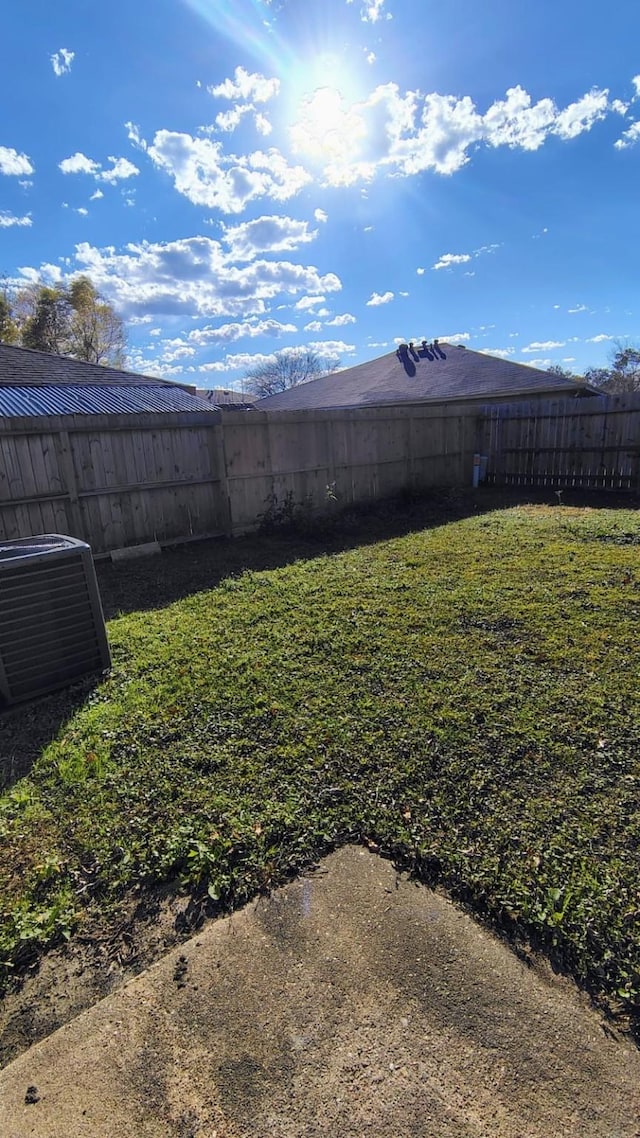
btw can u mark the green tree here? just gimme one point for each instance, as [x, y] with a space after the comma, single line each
[563, 372]
[9, 331]
[45, 329]
[624, 373]
[96, 333]
[74, 321]
[287, 369]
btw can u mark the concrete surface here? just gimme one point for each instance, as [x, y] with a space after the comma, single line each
[352, 1003]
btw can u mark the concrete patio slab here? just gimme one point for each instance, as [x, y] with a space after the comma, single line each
[350, 1003]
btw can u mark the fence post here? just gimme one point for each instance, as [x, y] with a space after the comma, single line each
[67, 469]
[223, 481]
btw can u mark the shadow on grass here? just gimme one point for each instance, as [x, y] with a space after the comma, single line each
[188, 569]
[26, 730]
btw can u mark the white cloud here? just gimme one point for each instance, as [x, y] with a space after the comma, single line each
[246, 86]
[420, 272]
[306, 302]
[242, 360]
[578, 308]
[262, 124]
[619, 106]
[229, 120]
[12, 163]
[273, 234]
[543, 346]
[340, 321]
[449, 259]
[542, 364]
[238, 331]
[371, 12]
[208, 177]
[96, 197]
[404, 294]
[195, 277]
[314, 326]
[8, 220]
[599, 339]
[82, 211]
[331, 349]
[134, 136]
[636, 83]
[410, 132]
[78, 164]
[376, 298]
[320, 215]
[456, 338]
[513, 335]
[629, 137]
[122, 168]
[568, 359]
[61, 61]
[501, 353]
[371, 56]
[183, 351]
[581, 115]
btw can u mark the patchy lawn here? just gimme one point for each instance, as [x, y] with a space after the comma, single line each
[465, 698]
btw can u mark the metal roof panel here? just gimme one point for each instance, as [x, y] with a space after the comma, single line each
[96, 399]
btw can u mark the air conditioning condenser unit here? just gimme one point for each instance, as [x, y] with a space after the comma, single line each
[52, 628]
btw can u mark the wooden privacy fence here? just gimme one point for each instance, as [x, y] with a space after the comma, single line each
[591, 443]
[112, 480]
[119, 480]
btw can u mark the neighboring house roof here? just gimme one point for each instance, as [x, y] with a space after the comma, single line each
[24, 366]
[423, 372]
[226, 397]
[96, 399]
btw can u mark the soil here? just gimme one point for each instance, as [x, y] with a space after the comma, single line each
[351, 1003]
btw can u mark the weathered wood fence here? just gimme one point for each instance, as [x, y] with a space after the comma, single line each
[587, 443]
[118, 480]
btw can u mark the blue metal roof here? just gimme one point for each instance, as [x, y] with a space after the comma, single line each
[96, 399]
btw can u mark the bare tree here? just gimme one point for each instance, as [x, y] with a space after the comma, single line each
[287, 369]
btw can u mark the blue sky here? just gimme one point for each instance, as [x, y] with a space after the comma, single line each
[238, 176]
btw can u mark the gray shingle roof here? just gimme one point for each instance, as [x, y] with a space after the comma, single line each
[422, 374]
[22, 365]
[96, 399]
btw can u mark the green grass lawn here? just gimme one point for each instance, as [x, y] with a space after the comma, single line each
[465, 698]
